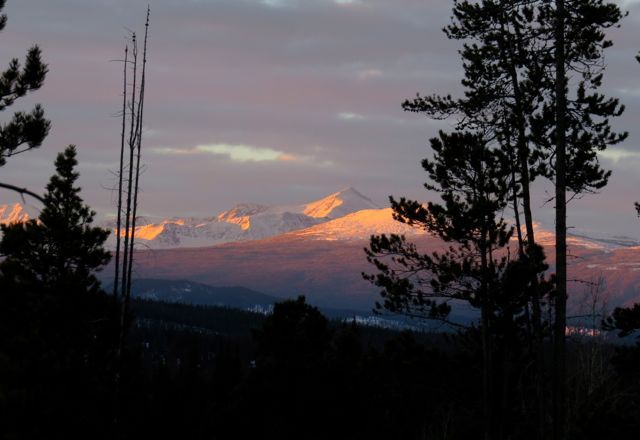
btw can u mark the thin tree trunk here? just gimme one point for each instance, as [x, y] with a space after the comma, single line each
[120, 172]
[526, 196]
[516, 212]
[127, 256]
[487, 367]
[139, 118]
[559, 370]
[525, 180]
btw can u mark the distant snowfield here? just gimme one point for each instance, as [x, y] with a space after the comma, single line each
[346, 214]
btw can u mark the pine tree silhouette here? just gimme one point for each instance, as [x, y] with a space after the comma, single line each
[57, 328]
[26, 130]
[60, 250]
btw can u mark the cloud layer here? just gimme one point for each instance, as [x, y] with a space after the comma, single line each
[271, 101]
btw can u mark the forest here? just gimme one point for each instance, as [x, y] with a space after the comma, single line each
[78, 361]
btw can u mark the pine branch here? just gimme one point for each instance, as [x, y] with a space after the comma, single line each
[23, 191]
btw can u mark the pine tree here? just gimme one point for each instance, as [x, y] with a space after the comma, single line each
[576, 121]
[57, 327]
[504, 83]
[518, 56]
[476, 268]
[61, 249]
[26, 130]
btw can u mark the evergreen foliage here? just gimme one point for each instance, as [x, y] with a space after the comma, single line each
[57, 328]
[467, 175]
[534, 122]
[476, 268]
[364, 383]
[25, 130]
[61, 249]
[295, 332]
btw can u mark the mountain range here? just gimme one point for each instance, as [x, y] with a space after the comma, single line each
[316, 249]
[246, 222]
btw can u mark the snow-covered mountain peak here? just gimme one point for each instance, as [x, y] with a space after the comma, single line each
[13, 214]
[358, 225]
[339, 204]
[249, 221]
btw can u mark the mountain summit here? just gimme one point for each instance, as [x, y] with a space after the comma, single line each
[339, 204]
[246, 221]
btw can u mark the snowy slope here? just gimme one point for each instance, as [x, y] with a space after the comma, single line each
[325, 263]
[338, 204]
[359, 225]
[246, 222]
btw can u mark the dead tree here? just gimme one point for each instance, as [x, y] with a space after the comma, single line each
[120, 175]
[129, 175]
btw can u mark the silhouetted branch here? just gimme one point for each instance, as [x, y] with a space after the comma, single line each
[22, 191]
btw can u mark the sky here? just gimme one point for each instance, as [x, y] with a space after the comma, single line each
[273, 102]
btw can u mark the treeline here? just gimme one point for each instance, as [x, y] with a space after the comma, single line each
[210, 319]
[298, 375]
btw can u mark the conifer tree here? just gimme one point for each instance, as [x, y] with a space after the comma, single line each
[26, 130]
[573, 127]
[61, 249]
[518, 56]
[49, 265]
[504, 82]
[476, 268]
[57, 327]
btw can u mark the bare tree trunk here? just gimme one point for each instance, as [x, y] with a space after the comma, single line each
[139, 120]
[127, 256]
[120, 172]
[559, 370]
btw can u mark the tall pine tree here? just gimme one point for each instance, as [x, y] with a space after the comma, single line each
[518, 58]
[57, 327]
[476, 268]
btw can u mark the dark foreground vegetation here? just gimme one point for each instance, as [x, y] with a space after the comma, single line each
[205, 372]
[78, 363]
[193, 372]
[215, 373]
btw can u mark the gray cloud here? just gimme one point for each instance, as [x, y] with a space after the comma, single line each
[311, 79]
